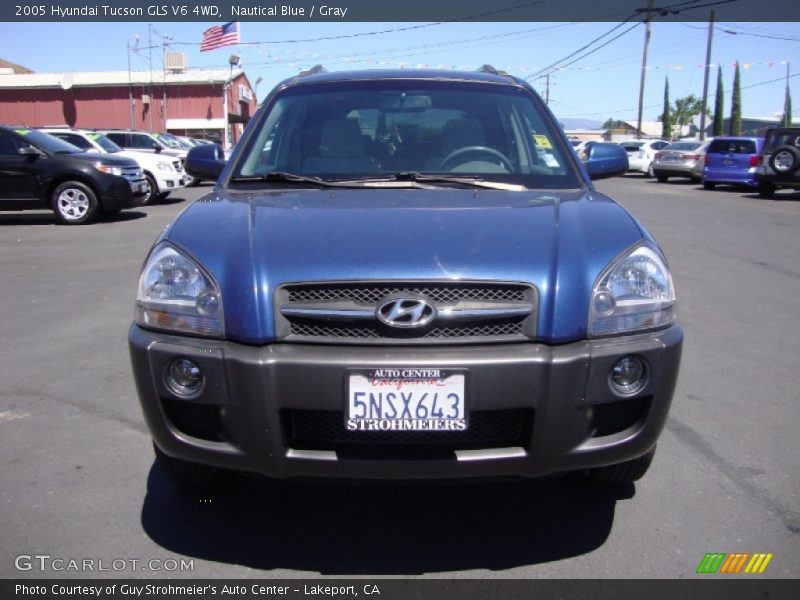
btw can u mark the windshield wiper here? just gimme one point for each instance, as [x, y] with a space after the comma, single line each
[466, 180]
[283, 177]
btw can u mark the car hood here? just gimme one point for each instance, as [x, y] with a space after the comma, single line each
[106, 159]
[253, 242]
[148, 158]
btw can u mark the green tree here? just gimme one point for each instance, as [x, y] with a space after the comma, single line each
[787, 110]
[666, 118]
[613, 124]
[719, 107]
[686, 109]
[735, 125]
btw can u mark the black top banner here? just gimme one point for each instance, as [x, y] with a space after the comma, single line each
[396, 11]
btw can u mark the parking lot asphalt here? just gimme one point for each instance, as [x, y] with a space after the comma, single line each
[77, 480]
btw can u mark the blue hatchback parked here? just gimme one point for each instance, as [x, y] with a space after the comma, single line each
[733, 161]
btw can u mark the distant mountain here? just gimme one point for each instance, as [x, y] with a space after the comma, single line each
[580, 123]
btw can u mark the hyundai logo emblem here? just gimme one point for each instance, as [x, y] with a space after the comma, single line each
[406, 313]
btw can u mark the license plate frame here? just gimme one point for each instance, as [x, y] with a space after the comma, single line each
[405, 399]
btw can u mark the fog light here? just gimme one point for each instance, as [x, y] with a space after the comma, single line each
[183, 377]
[628, 376]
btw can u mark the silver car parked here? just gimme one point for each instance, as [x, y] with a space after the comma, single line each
[680, 159]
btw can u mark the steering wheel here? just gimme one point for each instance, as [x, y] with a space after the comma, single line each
[477, 150]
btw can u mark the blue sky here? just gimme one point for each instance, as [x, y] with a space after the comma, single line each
[602, 85]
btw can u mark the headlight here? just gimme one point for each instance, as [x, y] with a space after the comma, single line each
[176, 294]
[164, 166]
[634, 293]
[108, 169]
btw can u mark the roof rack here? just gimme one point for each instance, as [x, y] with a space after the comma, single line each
[491, 70]
[315, 70]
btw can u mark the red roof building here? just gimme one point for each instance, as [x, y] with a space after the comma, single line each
[196, 102]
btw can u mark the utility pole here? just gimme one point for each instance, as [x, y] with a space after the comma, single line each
[164, 40]
[547, 90]
[150, 66]
[130, 83]
[786, 107]
[644, 68]
[705, 77]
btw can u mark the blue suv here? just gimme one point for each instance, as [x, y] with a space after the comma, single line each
[732, 161]
[404, 275]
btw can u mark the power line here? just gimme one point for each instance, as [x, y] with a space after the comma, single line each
[384, 31]
[752, 85]
[555, 66]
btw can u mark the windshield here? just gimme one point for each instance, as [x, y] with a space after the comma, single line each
[105, 143]
[168, 141]
[47, 142]
[363, 130]
[632, 146]
[683, 146]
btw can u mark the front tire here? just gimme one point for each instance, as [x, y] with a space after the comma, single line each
[661, 178]
[153, 194]
[650, 173]
[74, 203]
[622, 473]
[188, 474]
[707, 185]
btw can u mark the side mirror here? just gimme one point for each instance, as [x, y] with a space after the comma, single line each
[29, 151]
[205, 162]
[157, 147]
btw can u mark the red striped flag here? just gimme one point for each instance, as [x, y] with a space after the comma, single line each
[219, 36]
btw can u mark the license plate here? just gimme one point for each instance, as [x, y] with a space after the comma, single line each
[138, 188]
[406, 400]
[727, 162]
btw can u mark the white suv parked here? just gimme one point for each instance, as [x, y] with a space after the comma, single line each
[163, 173]
[641, 154]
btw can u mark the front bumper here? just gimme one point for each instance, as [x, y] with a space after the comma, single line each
[117, 193]
[573, 420]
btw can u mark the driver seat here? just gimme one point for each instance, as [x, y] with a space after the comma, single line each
[457, 134]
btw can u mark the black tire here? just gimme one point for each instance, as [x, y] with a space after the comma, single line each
[163, 195]
[153, 194]
[766, 190]
[622, 473]
[74, 203]
[650, 173]
[662, 178]
[186, 473]
[785, 160]
[707, 185]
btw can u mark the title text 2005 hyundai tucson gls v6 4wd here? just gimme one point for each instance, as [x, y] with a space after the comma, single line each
[404, 275]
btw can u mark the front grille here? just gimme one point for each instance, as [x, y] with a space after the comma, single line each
[441, 294]
[325, 430]
[132, 173]
[306, 328]
[518, 324]
[618, 415]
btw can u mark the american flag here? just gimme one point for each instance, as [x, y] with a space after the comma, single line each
[219, 36]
